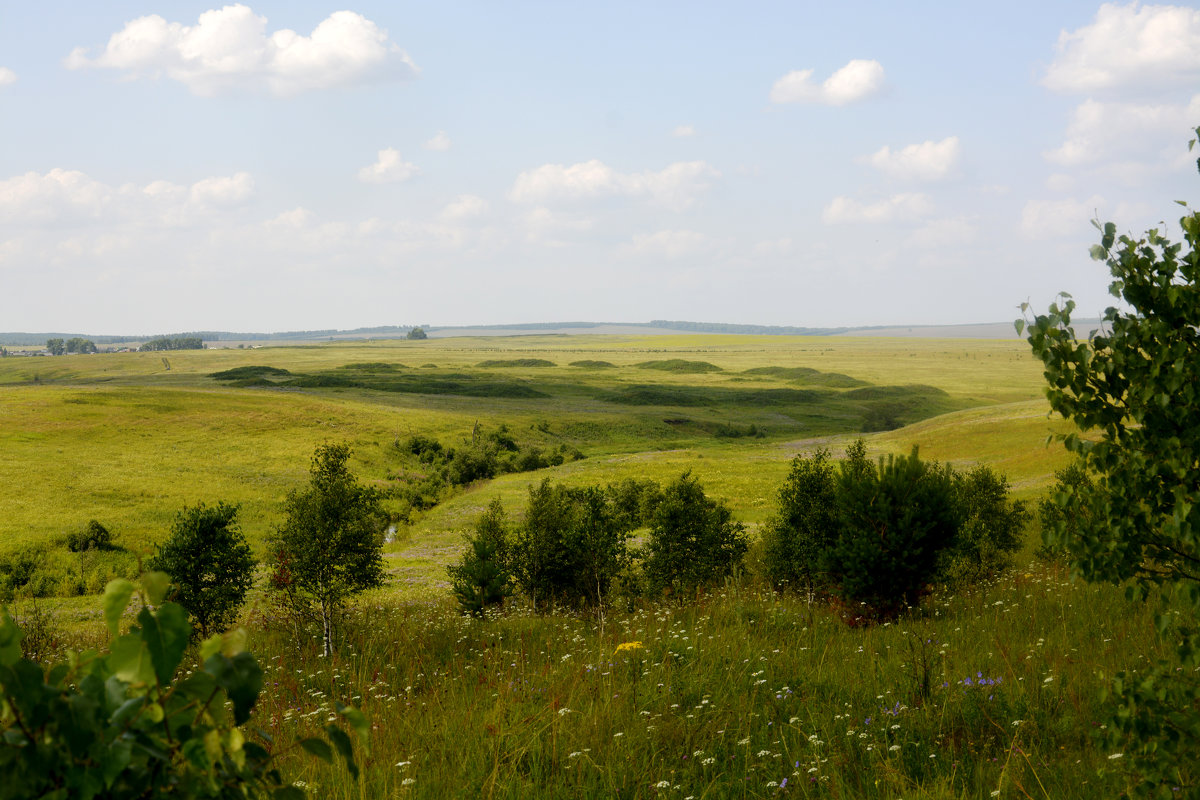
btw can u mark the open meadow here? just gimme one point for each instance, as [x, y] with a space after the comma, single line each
[991, 691]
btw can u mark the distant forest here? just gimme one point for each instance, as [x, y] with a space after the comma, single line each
[400, 331]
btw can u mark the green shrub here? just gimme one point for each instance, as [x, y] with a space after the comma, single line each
[805, 524]
[991, 527]
[129, 724]
[94, 536]
[693, 542]
[1064, 510]
[482, 578]
[894, 521]
[210, 565]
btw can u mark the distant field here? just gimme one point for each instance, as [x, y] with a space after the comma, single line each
[128, 439]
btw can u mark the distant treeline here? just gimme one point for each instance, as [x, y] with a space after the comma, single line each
[173, 343]
[730, 327]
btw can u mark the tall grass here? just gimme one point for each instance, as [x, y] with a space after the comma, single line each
[742, 694]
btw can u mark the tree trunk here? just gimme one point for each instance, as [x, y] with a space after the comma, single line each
[327, 628]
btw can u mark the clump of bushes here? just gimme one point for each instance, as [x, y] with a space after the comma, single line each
[573, 546]
[875, 536]
[485, 456]
[78, 562]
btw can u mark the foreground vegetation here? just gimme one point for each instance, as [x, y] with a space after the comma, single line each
[746, 693]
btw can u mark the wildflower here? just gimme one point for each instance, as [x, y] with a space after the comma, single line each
[663, 785]
[618, 734]
[403, 764]
[408, 781]
[623, 646]
[1114, 756]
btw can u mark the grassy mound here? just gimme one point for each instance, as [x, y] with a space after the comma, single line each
[516, 362]
[247, 373]
[808, 375]
[680, 365]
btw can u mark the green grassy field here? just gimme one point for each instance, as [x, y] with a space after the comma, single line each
[993, 692]
[122, 439]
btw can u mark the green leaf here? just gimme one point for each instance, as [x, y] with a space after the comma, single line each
[319, 748]
[358, 721]
[10, 640]
[129, 660]
[166, 635]
[210, 647]
[116, 598]
[156, 585]
[241, 678]
[289, 793]
[342, 742]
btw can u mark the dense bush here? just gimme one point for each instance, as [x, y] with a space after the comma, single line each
[894, 521]
[210, 565]
[991, 527]
[804, 525]
[1064, 511]
[879, 534]
[132, 723]
[94, 536]
[693, 542]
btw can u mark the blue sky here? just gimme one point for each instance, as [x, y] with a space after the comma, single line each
[272, 166]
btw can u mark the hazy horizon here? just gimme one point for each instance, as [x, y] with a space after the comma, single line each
[291, 166]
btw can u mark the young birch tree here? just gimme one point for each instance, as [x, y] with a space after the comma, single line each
[329, 547]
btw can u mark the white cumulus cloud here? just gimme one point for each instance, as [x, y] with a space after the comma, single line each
[62, 197]
[229, 48]
[222, 191]
[7, 76]
[858, 80]
[1104, 130]
[389, 167]
[927, 161]
[439, 141]
[899, 207]
[675, 186]
[683, 131]
[1132, 45]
